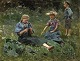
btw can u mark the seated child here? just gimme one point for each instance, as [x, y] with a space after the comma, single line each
[24, 30]
[53, 32]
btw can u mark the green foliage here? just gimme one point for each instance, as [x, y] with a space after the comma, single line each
[13, 48]
[68, 52]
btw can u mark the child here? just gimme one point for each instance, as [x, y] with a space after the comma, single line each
[67, 15]
[24, 30]
[53, 33]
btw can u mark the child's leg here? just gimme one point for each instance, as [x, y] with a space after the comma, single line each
[69, 28]
[69, 32]
[47, 46]
[66, 32]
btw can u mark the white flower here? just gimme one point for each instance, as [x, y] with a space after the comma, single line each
[20, 13]
[3, 26]
[12, 34]
[12, 13]
[41, 20]
[20, 6]
[1, 31]
[8, 1]
[36, 16]
[3, 37]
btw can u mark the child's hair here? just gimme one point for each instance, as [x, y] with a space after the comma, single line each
[67, 2]
[24, 16]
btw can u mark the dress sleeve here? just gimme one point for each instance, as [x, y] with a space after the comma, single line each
[17, 28]
[70, 12]
[48, 23]
[56, 23]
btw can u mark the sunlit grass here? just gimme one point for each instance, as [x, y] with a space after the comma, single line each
[69, 52]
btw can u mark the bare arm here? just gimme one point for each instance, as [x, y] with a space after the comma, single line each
[44, 29]
[23, 31]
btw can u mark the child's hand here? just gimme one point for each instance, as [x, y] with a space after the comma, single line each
[25, 30]
[42, 33]
[51, 31]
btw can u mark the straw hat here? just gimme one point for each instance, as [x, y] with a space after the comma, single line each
[25, 17]
[52, 13]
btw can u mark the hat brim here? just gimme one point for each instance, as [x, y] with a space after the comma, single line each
[54, 13]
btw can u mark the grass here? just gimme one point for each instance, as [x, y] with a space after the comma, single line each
[69, 52]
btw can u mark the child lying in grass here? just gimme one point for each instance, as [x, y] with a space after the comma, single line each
[53, 33]
[24, 30]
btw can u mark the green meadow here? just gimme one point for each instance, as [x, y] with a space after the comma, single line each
[69, 52]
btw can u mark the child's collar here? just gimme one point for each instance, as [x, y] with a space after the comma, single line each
[24, 23]
[52, 19]
[66, 8]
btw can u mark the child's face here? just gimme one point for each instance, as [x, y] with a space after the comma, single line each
[52, 16]
[25, 20]
[65, 4]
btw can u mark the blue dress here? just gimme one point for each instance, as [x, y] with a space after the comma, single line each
[55, 36]
[25, 38]
[20, 26]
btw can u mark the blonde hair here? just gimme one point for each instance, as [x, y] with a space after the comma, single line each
[24, 16]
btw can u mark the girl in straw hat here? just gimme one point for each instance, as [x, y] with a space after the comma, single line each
[53, 33]
[24, 30]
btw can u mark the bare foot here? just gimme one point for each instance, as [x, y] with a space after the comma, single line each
[68, 35]
[50, 48]
[65, 34]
